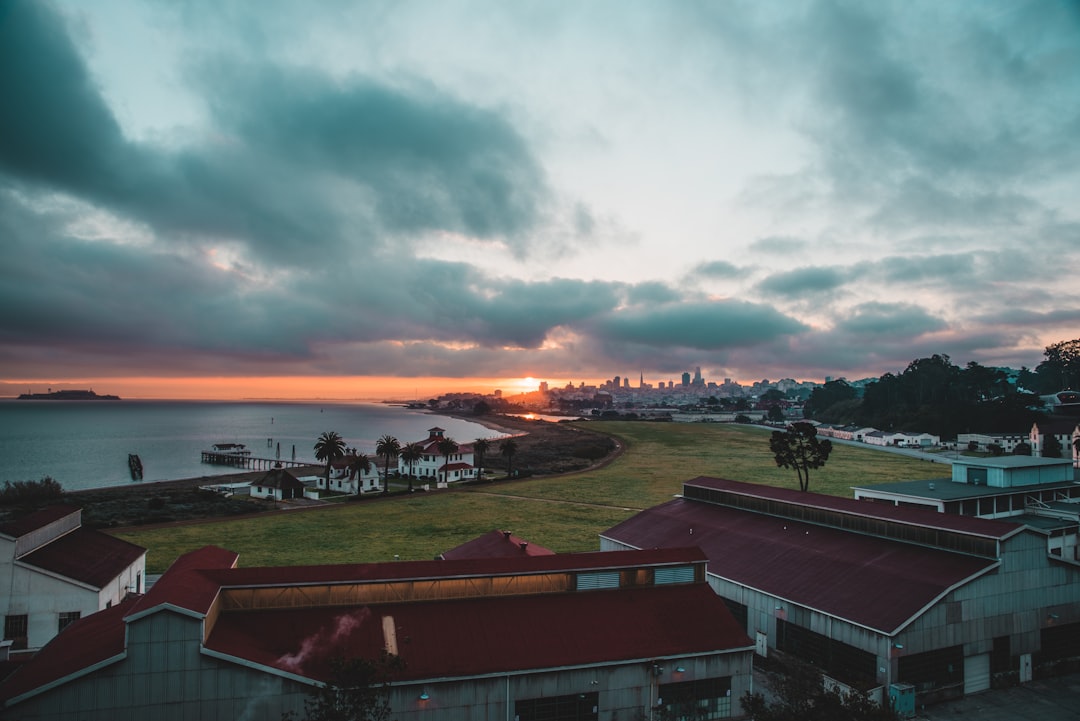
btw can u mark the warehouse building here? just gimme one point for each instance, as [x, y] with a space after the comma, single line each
[600, 636]
[874, 594]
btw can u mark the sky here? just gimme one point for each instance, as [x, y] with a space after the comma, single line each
[350, 199]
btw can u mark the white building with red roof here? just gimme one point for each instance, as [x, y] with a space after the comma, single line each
[613, 635]
[54, 572]
[872, 593]
[437, 468]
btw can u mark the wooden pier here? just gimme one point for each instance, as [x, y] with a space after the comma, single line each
[246, 460]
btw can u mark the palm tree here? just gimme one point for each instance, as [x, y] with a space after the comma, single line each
[447, 447]
[387, 447]
[329, 447]
[411, 453]
[480, 447]
[360, 465]
[507, 448]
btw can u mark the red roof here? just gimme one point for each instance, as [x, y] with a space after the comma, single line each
[85, 555]
[474, 636]
[870, 581]
[496, 544]
[89, 641]
[185, 583]
[928, 518]
[37, 520]
[436, 638]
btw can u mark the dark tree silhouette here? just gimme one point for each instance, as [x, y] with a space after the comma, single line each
[1051, 446]
[389, 448]
[507, 449]
[480, 449]
[329, 447]
[411, 453]
[360, 465]
[447, 447]
[799, 448]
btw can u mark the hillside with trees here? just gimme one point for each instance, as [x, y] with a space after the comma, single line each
[936, 396]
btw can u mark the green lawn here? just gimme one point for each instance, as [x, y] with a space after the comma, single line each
[564, 513]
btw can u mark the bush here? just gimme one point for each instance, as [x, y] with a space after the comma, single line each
[30, 491]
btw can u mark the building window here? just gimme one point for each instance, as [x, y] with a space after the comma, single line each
[704, 699]
[15, 630]
[574, 707]
[67, 618]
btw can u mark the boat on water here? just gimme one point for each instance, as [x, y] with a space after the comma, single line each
[68, 395]
[135, 466]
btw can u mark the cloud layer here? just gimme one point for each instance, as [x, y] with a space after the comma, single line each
[832, 189]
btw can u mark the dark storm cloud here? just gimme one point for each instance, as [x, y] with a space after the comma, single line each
[702, 325]
[55, 128]
[299, 165]
[804, 281]
[428, 161]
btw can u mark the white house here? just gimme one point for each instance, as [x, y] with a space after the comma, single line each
[1065, 431]
[278, 484]
[57, 571]
[458, 467]
[348, 480]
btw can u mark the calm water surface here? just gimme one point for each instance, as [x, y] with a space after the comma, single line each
[85, 444]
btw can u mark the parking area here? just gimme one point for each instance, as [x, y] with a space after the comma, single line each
[1052, 699]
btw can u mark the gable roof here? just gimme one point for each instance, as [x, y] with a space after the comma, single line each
[780, 542]
[37, 520]
[85, 555]
[495, 544]
[872, 582]
[476, 636]
[437, 637]
[279, 478]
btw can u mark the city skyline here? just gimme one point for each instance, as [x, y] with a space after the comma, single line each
[361, 200]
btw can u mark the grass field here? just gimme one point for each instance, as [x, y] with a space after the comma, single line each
[563, 513]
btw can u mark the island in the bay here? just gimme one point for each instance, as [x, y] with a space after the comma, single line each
[69, 395]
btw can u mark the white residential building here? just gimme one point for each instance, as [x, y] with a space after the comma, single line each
[55, 571]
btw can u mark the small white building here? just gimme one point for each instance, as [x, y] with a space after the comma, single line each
[347, 479]
[57, 572]
[278, 484]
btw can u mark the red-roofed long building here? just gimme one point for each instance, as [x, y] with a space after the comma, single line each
[608, 635]
[872, 593]
[53, 571]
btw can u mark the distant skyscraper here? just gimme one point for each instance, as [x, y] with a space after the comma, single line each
[697, 376]
[686, 379]
[617, 383]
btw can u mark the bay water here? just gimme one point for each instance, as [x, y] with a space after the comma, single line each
[85, 444]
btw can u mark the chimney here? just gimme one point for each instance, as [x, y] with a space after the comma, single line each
[506, 535]
[524, 545]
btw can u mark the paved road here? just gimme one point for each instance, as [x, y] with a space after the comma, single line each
[1052, 699]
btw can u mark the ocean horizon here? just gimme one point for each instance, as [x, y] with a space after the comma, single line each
[85, 444]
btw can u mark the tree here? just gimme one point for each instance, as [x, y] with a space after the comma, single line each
[329, 447]
[507, 449]
[389, 448]
[360, 465]
[1051, 446]
[1063, 358]
[802, 697]
[800, 449]
[357, 690]
[480, 449]
[447, 447]
[776, 413]
[1023, 448]
[411, 453]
